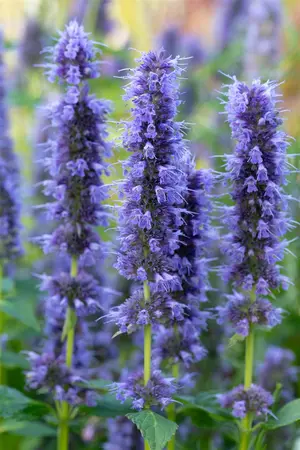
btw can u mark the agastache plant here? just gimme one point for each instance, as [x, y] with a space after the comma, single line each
[257, 221]
[278, 368]
[151, 216]
[178, 345]
[75, 164]
[10, 243]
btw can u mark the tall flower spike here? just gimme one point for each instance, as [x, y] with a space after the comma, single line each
[257, 172]
[181, 343]
[75, 163]
[151, 215]
[10, 245]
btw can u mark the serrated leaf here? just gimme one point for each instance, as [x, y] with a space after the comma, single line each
[25, 428]
[155, 429]
[35, 410]
[12, 401]
[288, 414]
[108, 406]
[15, 404]
[205, 410]
[17, 310]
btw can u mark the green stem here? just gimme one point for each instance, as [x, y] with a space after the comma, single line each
[171, 410]
[147, 353]
[63, 430]
[70, 340]
[65, 410]
[147, 347]
[247, 421]
[147, 340]
[2, 323]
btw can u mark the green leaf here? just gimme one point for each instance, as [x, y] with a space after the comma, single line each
[24, 428]
[204, 410]
[12, 360]
[12, 401]
[35, 410]
[155, 429]
[108, 406]
[235, 339]
[16, 309]
[7, 285]
[15, 404]
[287, 415]
[99, 384]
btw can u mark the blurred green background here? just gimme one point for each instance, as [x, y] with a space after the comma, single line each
[198, 28]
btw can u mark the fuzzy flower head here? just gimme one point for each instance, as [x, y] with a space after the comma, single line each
[157, 392]
[72, 59]
[241, 313]
[93, 350]
[52, 376]
[254, 400]
[256, 172]
[190, 262]
[153, 191]
[155, 180]
[178, 344]
[278, 368]
[80, 292]
[134, 313]
[75, 162]
[191, 258]
[74, 159]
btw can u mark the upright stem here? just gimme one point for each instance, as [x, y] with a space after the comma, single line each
[64, 413]
[247, 421]
[171, 410]
[2, 320]
[147, 347]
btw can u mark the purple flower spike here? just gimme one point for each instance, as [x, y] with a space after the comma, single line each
[182, 344]
[74, 161]
[178, 345]
[72, 59]
[257, 172]
[75, 164]
[153, 192]
[10, 245]
[53, 376]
